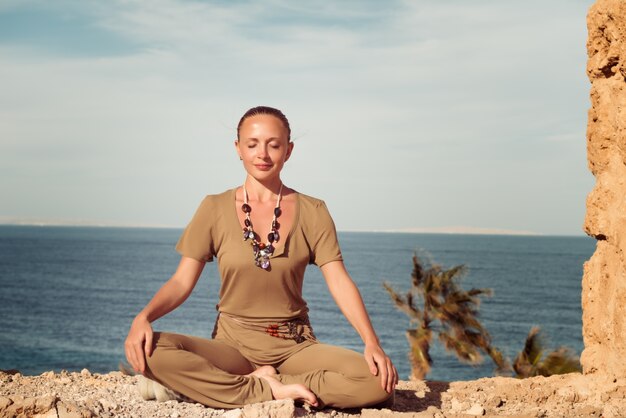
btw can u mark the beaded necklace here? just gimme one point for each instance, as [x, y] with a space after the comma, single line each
[262, 251]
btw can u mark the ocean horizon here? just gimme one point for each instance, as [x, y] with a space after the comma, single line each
[460, 229]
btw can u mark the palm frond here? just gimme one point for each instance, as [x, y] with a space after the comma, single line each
[403, 304]
[559, 361]
[529, 361]
[461, 347]
[534, 346]
[419, 356]
[503, 366]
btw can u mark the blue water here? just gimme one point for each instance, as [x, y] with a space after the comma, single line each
[69, 294]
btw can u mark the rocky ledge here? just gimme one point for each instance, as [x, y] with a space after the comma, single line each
[87, 394]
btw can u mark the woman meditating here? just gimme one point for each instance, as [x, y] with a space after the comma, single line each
[263, 235]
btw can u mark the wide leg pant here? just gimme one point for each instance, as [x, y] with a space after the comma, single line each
[213, 372]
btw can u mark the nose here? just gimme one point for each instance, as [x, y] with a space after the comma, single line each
[262, 151]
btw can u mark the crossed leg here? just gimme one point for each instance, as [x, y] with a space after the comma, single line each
[215, 373]
[338, 376]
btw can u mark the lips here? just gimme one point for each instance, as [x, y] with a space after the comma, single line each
[263, 167]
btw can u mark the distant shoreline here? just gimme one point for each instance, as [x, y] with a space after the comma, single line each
[461, 230]
[455, 230]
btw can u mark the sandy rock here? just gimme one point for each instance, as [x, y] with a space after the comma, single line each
[21, 406]
[387, 413]
[604, 289]
[233, 413]
[271, 409]
[457, 406]
[71, 410]
[494, 402]
[573, 395]
[5, 402]
[476, 410]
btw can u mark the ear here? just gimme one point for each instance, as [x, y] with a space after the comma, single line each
[237, 148]
[289, 149]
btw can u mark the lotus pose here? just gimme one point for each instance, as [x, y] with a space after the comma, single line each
[263, 235]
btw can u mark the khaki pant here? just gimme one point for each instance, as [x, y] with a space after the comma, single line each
[213, 372]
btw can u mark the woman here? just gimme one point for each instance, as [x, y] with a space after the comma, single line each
[263, 346]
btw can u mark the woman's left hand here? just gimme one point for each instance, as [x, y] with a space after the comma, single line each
[380, 364]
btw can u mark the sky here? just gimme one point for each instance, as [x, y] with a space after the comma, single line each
[406, 115]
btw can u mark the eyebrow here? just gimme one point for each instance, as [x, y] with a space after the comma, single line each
[274, 138]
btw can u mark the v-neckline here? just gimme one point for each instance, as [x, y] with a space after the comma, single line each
[278, 250]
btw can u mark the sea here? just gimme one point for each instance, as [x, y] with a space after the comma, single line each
[68, 294]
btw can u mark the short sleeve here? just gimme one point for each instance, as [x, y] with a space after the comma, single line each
[325, 246]
[196, 240]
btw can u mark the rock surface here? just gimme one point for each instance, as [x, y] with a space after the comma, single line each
[604, 279]
[61, 395]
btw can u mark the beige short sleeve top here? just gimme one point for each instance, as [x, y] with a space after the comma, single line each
[247, 290]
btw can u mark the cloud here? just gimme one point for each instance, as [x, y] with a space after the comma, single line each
[410, 98]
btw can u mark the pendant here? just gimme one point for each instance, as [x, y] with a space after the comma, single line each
[262, 252]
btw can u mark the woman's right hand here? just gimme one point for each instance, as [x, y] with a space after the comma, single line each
[138, 343]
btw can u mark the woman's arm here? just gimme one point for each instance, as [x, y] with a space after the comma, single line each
[348, 298]
[169, 297]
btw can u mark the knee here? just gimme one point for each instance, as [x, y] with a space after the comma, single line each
[164, 345]
[369, 390]
[373, 394]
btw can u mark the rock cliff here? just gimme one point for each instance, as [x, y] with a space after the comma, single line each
[604, 279]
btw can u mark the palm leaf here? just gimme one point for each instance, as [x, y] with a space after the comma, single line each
[529, 361]
[405, 305]
[559, 361]
[419, 343]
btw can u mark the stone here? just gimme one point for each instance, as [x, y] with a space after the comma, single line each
[233, 413]
[590, 411]
[71, 410]
[476, 410]
[456, 405]
[271, 409]
[5, 402]
[50, 414]
[494, 402]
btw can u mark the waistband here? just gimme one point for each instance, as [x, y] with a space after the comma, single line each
[298, 329]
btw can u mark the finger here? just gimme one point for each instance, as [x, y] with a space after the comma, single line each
[148, 344]
[383, 374]
[396, 373]
[391, 378]
[128, 357]
[132, 359]
[140, 358]
[372, 365]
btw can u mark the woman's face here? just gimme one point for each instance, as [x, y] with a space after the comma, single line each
[263, 146]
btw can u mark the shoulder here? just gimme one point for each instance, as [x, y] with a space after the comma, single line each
[213, 200]
[310, 201]
[213, 205]
[311, 206]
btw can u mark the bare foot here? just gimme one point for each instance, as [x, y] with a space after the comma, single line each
[264, 371]
[294, 391]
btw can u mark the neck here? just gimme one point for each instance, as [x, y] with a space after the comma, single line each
[262, 191]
